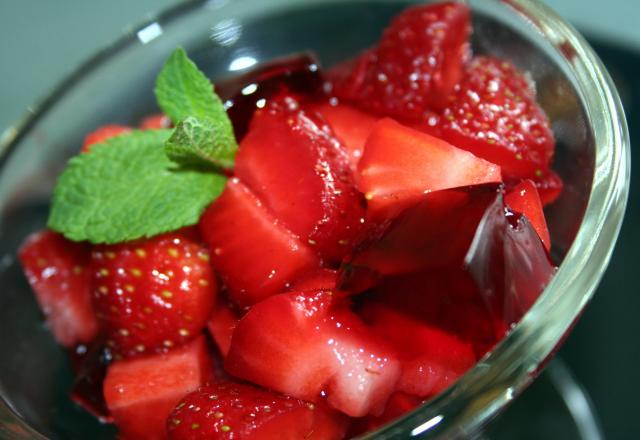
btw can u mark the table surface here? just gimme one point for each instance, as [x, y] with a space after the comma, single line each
[44, 41]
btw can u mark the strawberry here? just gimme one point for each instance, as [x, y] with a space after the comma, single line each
[549, 185]
[524, 198]
[102, 134]
[302, 344]
[321, 279]
[140, 393]
[221, 326]
[431, 359]
[57, 271]
[155, 122]
[255, 255]
[400, 165]
[294, 164]
[236, 411]
[399, 404]
[152, 294]
[494, 115]
[417, 62]
[351, 126]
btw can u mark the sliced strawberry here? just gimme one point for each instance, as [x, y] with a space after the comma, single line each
[398, 405]
[351, 126]
[549, 185]
[400, 165]
[151, 295]
[221, 326]
[235, 411]
[140, 393]
[494, 115]
[155, 122]
[431, 359]
[304, 343]
[416, 64]
[57, 270]
[321, 279]
[254, 253]
[102, 134]
[296, 166]
[524, 198]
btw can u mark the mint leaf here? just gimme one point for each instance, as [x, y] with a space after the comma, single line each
[127, 188]
[202, 142]
[183, 90]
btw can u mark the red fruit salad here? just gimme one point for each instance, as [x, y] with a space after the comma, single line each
[309, 259]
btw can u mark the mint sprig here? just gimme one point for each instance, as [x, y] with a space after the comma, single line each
[182, 90]
[142, 183]
[202, 142]
[127, 188]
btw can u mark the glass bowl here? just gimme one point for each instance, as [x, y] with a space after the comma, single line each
[225, 37]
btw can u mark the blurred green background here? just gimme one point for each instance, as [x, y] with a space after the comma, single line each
[41, 41]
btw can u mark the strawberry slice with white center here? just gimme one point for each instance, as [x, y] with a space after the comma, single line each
[151, 295]
[140, 393]
[400, 165]
[57, 270]
[524, 198]
[253, 252]
[302, 344]
[294, 164]
[231, 410]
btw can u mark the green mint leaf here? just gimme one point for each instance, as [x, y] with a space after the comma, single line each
[127, 188]
[183, 90]
[202, 142]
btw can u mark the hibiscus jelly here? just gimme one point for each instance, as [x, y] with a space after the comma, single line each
[459, 260]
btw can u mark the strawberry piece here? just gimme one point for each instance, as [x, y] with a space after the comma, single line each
[416, 64]
[155, 122]
[254, 253]
[524, 198]
[57, 271]
[141, 392]
[351, 126]
[221, 326]
[400, 165]
[549, 185]
[151, 295]
[303, 343]
[102, 134]
[296, 166]
[398, 405]
[321, 279]
[494, 115]
[235, 411]
[431, 358]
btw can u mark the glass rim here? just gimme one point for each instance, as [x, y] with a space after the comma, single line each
[507, 370]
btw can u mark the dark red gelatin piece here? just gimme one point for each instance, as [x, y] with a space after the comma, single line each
[297, 74]
[458, 260]
[89, 364]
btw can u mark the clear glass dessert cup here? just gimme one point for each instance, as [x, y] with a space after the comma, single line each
[226, 37]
